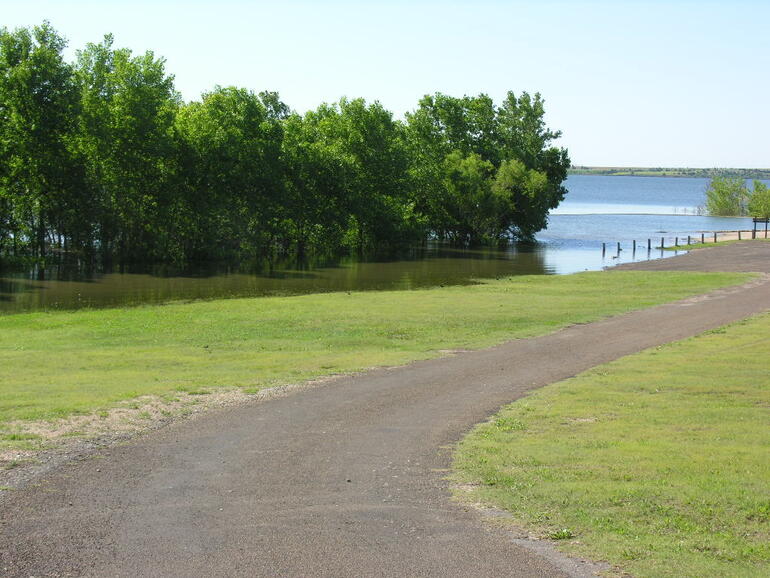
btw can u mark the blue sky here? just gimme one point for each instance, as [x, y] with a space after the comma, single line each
[629, 83]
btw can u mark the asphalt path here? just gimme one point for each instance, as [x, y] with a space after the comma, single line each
[344, 479]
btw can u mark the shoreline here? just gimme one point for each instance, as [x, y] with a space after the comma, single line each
[741, 235]
[746, 235]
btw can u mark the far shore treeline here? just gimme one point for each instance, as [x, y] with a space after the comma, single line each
[101, 160]
[703, 173]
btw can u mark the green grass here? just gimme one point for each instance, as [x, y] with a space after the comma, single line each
[657, 463]
[54, 364]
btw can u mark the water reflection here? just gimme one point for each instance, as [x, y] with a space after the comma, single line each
[434, 266]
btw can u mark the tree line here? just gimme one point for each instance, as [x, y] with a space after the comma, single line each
[707, 173]
[101, 159]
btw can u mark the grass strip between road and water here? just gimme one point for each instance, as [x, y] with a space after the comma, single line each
[63, 363]
[657, 462]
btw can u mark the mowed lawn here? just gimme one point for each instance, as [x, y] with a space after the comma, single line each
[54, 364]
[658, 462]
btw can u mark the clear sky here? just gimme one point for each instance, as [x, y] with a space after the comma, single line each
[630, 83]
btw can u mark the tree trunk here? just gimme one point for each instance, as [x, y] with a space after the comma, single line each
[41, 237]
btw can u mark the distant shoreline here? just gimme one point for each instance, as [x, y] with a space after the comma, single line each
[670, 172]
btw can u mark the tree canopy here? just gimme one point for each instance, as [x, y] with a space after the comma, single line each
[101, 159]
[759, 202]
[731, 197]
[727, 196]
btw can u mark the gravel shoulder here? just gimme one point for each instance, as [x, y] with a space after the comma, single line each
[344, 479]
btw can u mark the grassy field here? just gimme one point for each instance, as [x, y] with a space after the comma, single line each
[657, 463]
[56, 364]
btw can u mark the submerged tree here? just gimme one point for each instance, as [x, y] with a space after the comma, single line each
[126, 143]
[759, 202]
[726, 196]
[380, 190]
[526, 196]
[38, 107]
[231, 159]
[527, 171]
[102, 158]
[347, 173]
[317, 177]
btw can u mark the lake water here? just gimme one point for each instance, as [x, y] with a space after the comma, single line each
[612, 210]
[594, 194]
[597, 210]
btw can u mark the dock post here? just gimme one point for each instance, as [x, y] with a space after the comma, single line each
[604, 248]
[702, 238]
[634, 249]
[715, 236]
[662, 244]
[739, 236]
[676, 241]
[619, 249]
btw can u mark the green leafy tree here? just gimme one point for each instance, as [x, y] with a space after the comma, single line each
[38, 105]
[726, 196]
[442, 124]
[515, 131]
[126, 141]
[234, 172]
[525, 137]
[318, 174]
[471, 209]
[103, 157]
[759, 202]
[380, 201]
[349, 160]
[524, 199]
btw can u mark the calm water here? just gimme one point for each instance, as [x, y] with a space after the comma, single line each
[633, 195]
[436, 266]
[597, 210]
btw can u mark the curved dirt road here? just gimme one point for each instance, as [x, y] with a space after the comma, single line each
[345, 479]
